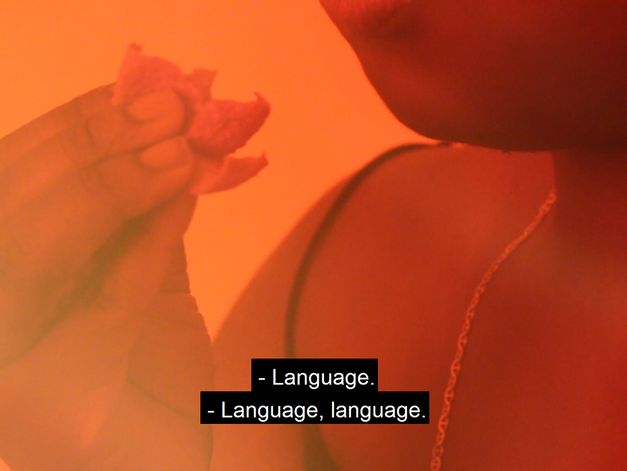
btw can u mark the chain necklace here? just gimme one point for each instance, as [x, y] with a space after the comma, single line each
[456, 365]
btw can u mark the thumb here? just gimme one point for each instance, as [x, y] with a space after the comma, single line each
[153, 258]
[76, 368]
[102, 328]
[176, 279]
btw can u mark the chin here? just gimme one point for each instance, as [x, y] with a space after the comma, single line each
[501, 125]
[507, 136]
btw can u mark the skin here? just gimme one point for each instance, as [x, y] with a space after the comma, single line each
[501, 74]
[548, 344]
[544, 363]
[94, 207]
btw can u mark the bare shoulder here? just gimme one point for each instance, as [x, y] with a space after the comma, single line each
[394, 275]
[255, 329]
[462, 190]
[407, 250]
[477, 183]
[423, 220]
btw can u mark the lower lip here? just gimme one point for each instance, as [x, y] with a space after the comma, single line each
[367, 17]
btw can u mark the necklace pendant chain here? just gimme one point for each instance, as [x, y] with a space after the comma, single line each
[437, 452]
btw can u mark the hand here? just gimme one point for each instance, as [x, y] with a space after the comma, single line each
[102, 350]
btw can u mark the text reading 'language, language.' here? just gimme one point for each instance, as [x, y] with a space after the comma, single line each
[333, 391]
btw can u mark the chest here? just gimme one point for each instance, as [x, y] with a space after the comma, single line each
[542, 382]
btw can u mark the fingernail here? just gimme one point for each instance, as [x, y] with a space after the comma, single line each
[154, 105]
[168, 154]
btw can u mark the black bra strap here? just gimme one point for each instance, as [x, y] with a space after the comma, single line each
[323, 230]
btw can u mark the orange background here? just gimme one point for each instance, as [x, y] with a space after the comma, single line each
[326, 120]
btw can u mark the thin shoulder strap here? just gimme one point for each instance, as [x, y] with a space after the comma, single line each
[322, 231]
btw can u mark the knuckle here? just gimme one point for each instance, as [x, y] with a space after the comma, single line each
[86, 104]
[103, 192]
[175, 101]
[175, 106]
[78, 109]
[79, 143]
[102, 134]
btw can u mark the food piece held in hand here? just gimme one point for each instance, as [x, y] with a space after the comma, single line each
[215, 129]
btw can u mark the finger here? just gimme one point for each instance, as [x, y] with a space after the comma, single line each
[86, 354]
[176, 280]
[113, 130]
[58, 232]
[65, 116]
[129, 287]
[171, 360]
[102, 330]
[44, 247]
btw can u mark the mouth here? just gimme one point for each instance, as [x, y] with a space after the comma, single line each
[373, 18]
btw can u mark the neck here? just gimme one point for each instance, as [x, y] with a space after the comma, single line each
[591, 209]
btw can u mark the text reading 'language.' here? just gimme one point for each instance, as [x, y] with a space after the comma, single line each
[332, 391]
